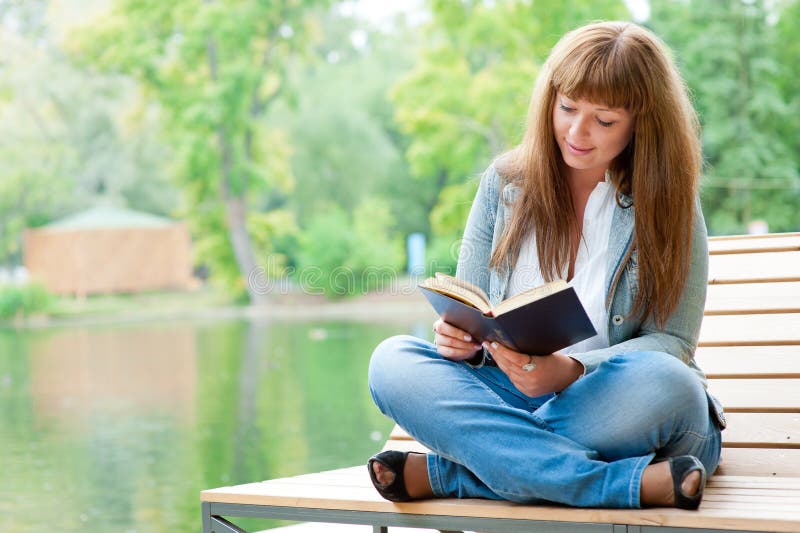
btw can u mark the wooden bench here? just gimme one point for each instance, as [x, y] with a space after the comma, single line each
[750, 349]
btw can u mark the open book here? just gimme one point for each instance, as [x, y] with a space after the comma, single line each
[538, 321]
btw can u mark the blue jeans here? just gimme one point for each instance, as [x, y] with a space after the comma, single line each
[586, 446]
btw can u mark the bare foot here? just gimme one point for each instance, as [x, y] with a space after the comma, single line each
[415, 474]
[656, 488]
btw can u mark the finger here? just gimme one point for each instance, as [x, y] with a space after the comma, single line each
[452, 342]
[508, 360]
[499, 357]
[454, 353]
[451, 331]
[513, 357]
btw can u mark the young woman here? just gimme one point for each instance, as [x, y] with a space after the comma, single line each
[603, 192]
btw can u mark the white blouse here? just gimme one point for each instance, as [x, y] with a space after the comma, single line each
[590, 266]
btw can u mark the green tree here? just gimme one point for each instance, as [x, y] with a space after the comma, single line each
[67, 145]
[346, 253]
[727, 52]
[346, 144]
[787, 52]
[466, 99]
[214, 68]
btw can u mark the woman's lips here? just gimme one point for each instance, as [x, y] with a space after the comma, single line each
[577, 151]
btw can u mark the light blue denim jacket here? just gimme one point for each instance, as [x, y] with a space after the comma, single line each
[487, 220]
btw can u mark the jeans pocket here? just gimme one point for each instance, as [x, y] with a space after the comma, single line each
[716, 411]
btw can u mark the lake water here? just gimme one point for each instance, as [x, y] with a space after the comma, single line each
[120, 428]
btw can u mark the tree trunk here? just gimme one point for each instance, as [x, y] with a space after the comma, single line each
[235, 202]
[236, 214]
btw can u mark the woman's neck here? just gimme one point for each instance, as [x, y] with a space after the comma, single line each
[583, 182]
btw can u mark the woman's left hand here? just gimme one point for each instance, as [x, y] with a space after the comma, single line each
[550, 373]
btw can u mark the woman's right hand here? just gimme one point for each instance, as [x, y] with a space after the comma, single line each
[453, 343]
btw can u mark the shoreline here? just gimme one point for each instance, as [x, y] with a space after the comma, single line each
[371, 307]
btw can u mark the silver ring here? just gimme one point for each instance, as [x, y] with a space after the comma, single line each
[530, 365]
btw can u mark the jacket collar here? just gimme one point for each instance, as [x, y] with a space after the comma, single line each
[619, 242]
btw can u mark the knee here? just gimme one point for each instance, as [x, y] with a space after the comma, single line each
[390, 367]
[668, 382]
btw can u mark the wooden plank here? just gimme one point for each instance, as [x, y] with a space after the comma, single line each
[754, 267]
[760, 462]
[762, 430]
[745, 430]
[753, 298]
[751, 330]
[405, 445]
[754, 244]
[757, 395]
[749, 361]
[399, 433]
[725, 508]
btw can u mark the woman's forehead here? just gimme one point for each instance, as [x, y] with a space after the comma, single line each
[594, 101]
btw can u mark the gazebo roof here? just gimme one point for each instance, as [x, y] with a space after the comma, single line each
[105, 217]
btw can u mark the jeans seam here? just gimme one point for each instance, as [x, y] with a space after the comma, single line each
[636, 481]
[434, 477]
[473, 375]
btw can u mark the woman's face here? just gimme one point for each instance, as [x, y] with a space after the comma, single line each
[589, 134]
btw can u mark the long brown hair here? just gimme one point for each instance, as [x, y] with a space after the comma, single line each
[624, 65]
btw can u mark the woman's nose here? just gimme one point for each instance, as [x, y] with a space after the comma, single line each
[579, 126]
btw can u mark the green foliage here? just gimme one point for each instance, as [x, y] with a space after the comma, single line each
[730, 57]
[23, 300]
[67, 145]
[344, 255]
[465, 101]
[787, 53]
[213, 68]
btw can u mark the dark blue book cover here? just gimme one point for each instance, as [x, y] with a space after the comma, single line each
[540, 327]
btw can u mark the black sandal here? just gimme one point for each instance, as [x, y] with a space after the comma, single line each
[394, 461]
[680, 467]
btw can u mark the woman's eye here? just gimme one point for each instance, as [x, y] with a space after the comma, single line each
[604, 123]
[565, 108]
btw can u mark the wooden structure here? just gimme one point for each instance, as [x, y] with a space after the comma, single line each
[750, 350]
[109, 250]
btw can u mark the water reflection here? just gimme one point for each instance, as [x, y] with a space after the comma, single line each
[118, 429]
[79, 373]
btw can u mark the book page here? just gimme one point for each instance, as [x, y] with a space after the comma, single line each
[462, 291]
[530, 295]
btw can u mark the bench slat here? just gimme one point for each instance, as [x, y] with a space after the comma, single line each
[750, 330]
[760, 462]
[756, 395]
[753, 298]
[754, 244]
[745, 430]
[754, 268]
[739, 243]
[762, 430]
[735, 461]
[749, 361]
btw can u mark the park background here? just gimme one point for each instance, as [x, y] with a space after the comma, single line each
[301, 142]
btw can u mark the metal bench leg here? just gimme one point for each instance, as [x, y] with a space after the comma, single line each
[220, 525]
[380, 529]
[206, 508]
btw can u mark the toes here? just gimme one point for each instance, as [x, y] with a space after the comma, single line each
[383, 474]
[691, 484]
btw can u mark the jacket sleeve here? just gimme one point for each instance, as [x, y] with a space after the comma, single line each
[476, 244]
[681, 331]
